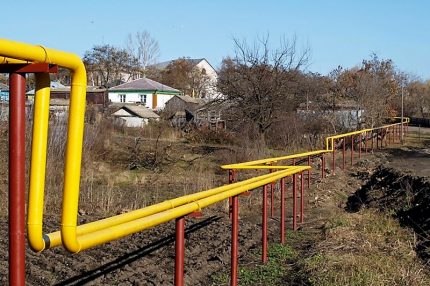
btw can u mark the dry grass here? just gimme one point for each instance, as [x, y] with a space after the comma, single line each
[365, 248]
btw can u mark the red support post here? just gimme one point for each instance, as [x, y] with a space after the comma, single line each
[179, 251]
[309, 172]
[333, 163]
[234, 241]
[264, 227]
[302, 198]
[352, 149]
[17, 179]
[372, 139]
[282, 226]
[343, 154]
[322, 166]
[231, 179]
[272, 197]
[359, 145]
[365, 142]
[294, 202]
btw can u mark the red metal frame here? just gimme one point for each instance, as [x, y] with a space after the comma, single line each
[264, 227]
[282, 226]
[17, 179]
[333, 163]
[179, 251]
[343, 154]
[234, 240]
[272, 197]
[352, 149]
[294, 202]
[302, 198]
[309, 172]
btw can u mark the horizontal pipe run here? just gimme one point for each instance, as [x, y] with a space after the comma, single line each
[118, 231]
[55, 237]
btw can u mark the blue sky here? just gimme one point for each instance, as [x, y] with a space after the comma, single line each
[338, 32]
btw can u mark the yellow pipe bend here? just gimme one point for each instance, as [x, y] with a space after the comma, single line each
[31, 53]
[38, 162]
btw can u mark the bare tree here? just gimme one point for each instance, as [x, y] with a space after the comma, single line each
[144, 47]
[261, 82]
[107, 65]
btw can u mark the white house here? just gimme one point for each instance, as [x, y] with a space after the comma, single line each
[135, 115]
[204, 66]
[144, 91]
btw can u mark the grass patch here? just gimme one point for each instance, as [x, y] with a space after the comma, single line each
[365, 248]
[270, 273]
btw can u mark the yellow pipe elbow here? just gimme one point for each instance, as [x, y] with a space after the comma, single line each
[38, 163]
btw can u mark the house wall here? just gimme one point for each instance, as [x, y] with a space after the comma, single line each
[134, 97]
[211, 91]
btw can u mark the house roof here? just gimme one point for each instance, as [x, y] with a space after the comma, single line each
[189, 99]
[144, 84]
[136, 110]
[58, 87]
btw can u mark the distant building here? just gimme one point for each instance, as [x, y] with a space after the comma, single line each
[345, 113]
[135, 115]
[95, 95]
[144, 91]
[205, 67]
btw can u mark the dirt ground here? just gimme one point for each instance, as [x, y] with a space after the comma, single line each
[147, 258]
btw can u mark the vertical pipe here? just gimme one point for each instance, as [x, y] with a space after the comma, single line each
[322, 165]
[372, 139]
[282, 226]
[264, 227]
[294, 202]
[359, 145]
[309, 172]
[230, 181]
[17, 179]
[302, 199]
[272, 197]
[333, 163]
[365, 142]
[352, 149]
[343, 154]
[179, 251]
[234, 240]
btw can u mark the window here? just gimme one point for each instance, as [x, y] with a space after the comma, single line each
[122, 98]
[142, 98]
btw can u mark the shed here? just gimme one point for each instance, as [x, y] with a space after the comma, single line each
[135, 115]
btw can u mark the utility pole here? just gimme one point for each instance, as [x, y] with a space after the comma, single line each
[401, 125]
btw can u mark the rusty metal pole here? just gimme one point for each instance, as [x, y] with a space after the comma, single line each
[264, 227]
[322, 165]
[352, 149]
[343, 154]
[17, 179]
[309, 172]
[302, 198]
[282, 226]
[333, 163]
[234, 240]
[294, 202]
[231, 178]
[365, 142]
[359, 146]
[371, 134]
[179, 251]
[272, 197]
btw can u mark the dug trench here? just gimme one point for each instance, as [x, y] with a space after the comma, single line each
[405, 196]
